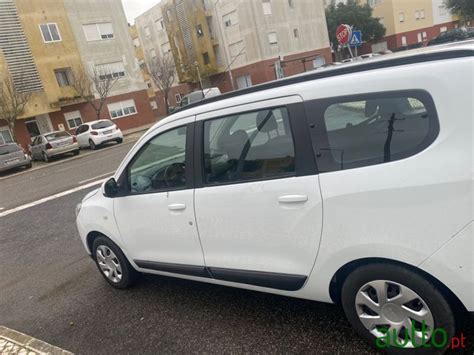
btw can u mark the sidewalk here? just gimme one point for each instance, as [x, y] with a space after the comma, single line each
[13, 342]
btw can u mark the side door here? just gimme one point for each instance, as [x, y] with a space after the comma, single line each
[156, 217]
[82, 135]
[258, 205]
[36, 148]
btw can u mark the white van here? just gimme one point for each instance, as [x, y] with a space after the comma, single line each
[199, 95]
[351, 185]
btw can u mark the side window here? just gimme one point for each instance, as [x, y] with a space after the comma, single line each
[376, 129]
[249, 146]
[160, 165]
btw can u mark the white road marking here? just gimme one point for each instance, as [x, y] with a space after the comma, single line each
[96, 177]
[2, 208]
[52, 197]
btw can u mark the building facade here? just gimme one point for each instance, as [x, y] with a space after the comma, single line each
[233, 44]
[410, 23]
[46, 40]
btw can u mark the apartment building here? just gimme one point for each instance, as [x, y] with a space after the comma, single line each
[411, 22]
[44, 40]
[234, 44]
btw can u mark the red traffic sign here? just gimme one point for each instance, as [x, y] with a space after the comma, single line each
[343, 34]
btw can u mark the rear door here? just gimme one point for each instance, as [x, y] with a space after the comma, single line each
[82, 135]
[258, 207]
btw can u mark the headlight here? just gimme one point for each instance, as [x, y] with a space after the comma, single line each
[78, 208]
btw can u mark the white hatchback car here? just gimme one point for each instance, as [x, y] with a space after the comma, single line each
[351, 185]
[95, 133]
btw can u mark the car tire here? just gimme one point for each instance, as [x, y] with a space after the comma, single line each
[120, 140]
[112, 263]
[76, 152]
[45, 157]
[92, 145]
[385, 287]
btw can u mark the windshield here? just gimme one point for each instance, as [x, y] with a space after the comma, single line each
[55, 135]
[7, 149]
[102, 124]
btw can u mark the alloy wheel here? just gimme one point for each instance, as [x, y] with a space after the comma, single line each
[109, 263]
[386, 306]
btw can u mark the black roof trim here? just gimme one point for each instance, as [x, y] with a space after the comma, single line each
[370, 65]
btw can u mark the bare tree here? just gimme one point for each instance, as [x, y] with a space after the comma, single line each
[163, 72]
[98, 81]
[13, 99]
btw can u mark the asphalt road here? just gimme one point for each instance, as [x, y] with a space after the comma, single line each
[50, 289]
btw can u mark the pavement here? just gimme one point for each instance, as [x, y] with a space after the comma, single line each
[51, 290]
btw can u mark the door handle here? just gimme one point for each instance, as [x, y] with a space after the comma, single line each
[293, 198]
[177, 207]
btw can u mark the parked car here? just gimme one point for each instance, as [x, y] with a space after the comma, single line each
[457, 34]
[46, 146]
[13, 156]
[380, 146]
[95, 133]
[198, 96]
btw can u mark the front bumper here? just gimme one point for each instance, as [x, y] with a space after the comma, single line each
[107, 137]
[62, 150]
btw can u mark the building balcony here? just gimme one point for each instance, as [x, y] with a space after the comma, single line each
[66, 101]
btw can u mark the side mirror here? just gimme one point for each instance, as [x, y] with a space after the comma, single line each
[111, 188]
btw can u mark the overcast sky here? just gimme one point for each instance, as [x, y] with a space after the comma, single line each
[134, 8]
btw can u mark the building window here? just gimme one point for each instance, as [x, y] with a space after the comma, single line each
[443, 29]
[205, 58]
[267, 7]
[98, 31]
[165, 48]
[425, 36]
[272, 38]
[244, 81]
[148, 84]
[178, 98]
[230, 19]
[50, 32]
[422, 14]
[160, 24]
[418, 35]
[154, 105]
[291, 4]
[136, 42]
[373, 3]
[404, 40]
[235, 49]
[73, 119]
[5, 135]
[199, 31]
[122, 109]
[153, 53]
[382, 21]
[63, 76]
[110, 70]
[319, 61]
[295, 33]
[442, 10]
[417, 15]
[146, 29]
[401, 17]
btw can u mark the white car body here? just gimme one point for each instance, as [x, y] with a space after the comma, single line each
[86, 133]
[416, 211]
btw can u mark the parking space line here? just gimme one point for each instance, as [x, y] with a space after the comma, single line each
[96, 177]
[52, 197]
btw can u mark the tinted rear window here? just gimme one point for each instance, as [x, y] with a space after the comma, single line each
[56, 135]
[7, 149]
[102, 124]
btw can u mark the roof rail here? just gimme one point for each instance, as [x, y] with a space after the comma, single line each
[340, 70]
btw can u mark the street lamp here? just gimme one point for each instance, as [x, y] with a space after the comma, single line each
[196, 64]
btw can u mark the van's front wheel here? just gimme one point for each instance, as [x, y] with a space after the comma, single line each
[112, 263]
[397, 309]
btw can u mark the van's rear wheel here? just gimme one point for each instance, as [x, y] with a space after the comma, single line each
[397, 309]
[112, 263]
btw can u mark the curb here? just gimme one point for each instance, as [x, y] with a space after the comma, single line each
[13, 342]
[71, 158]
